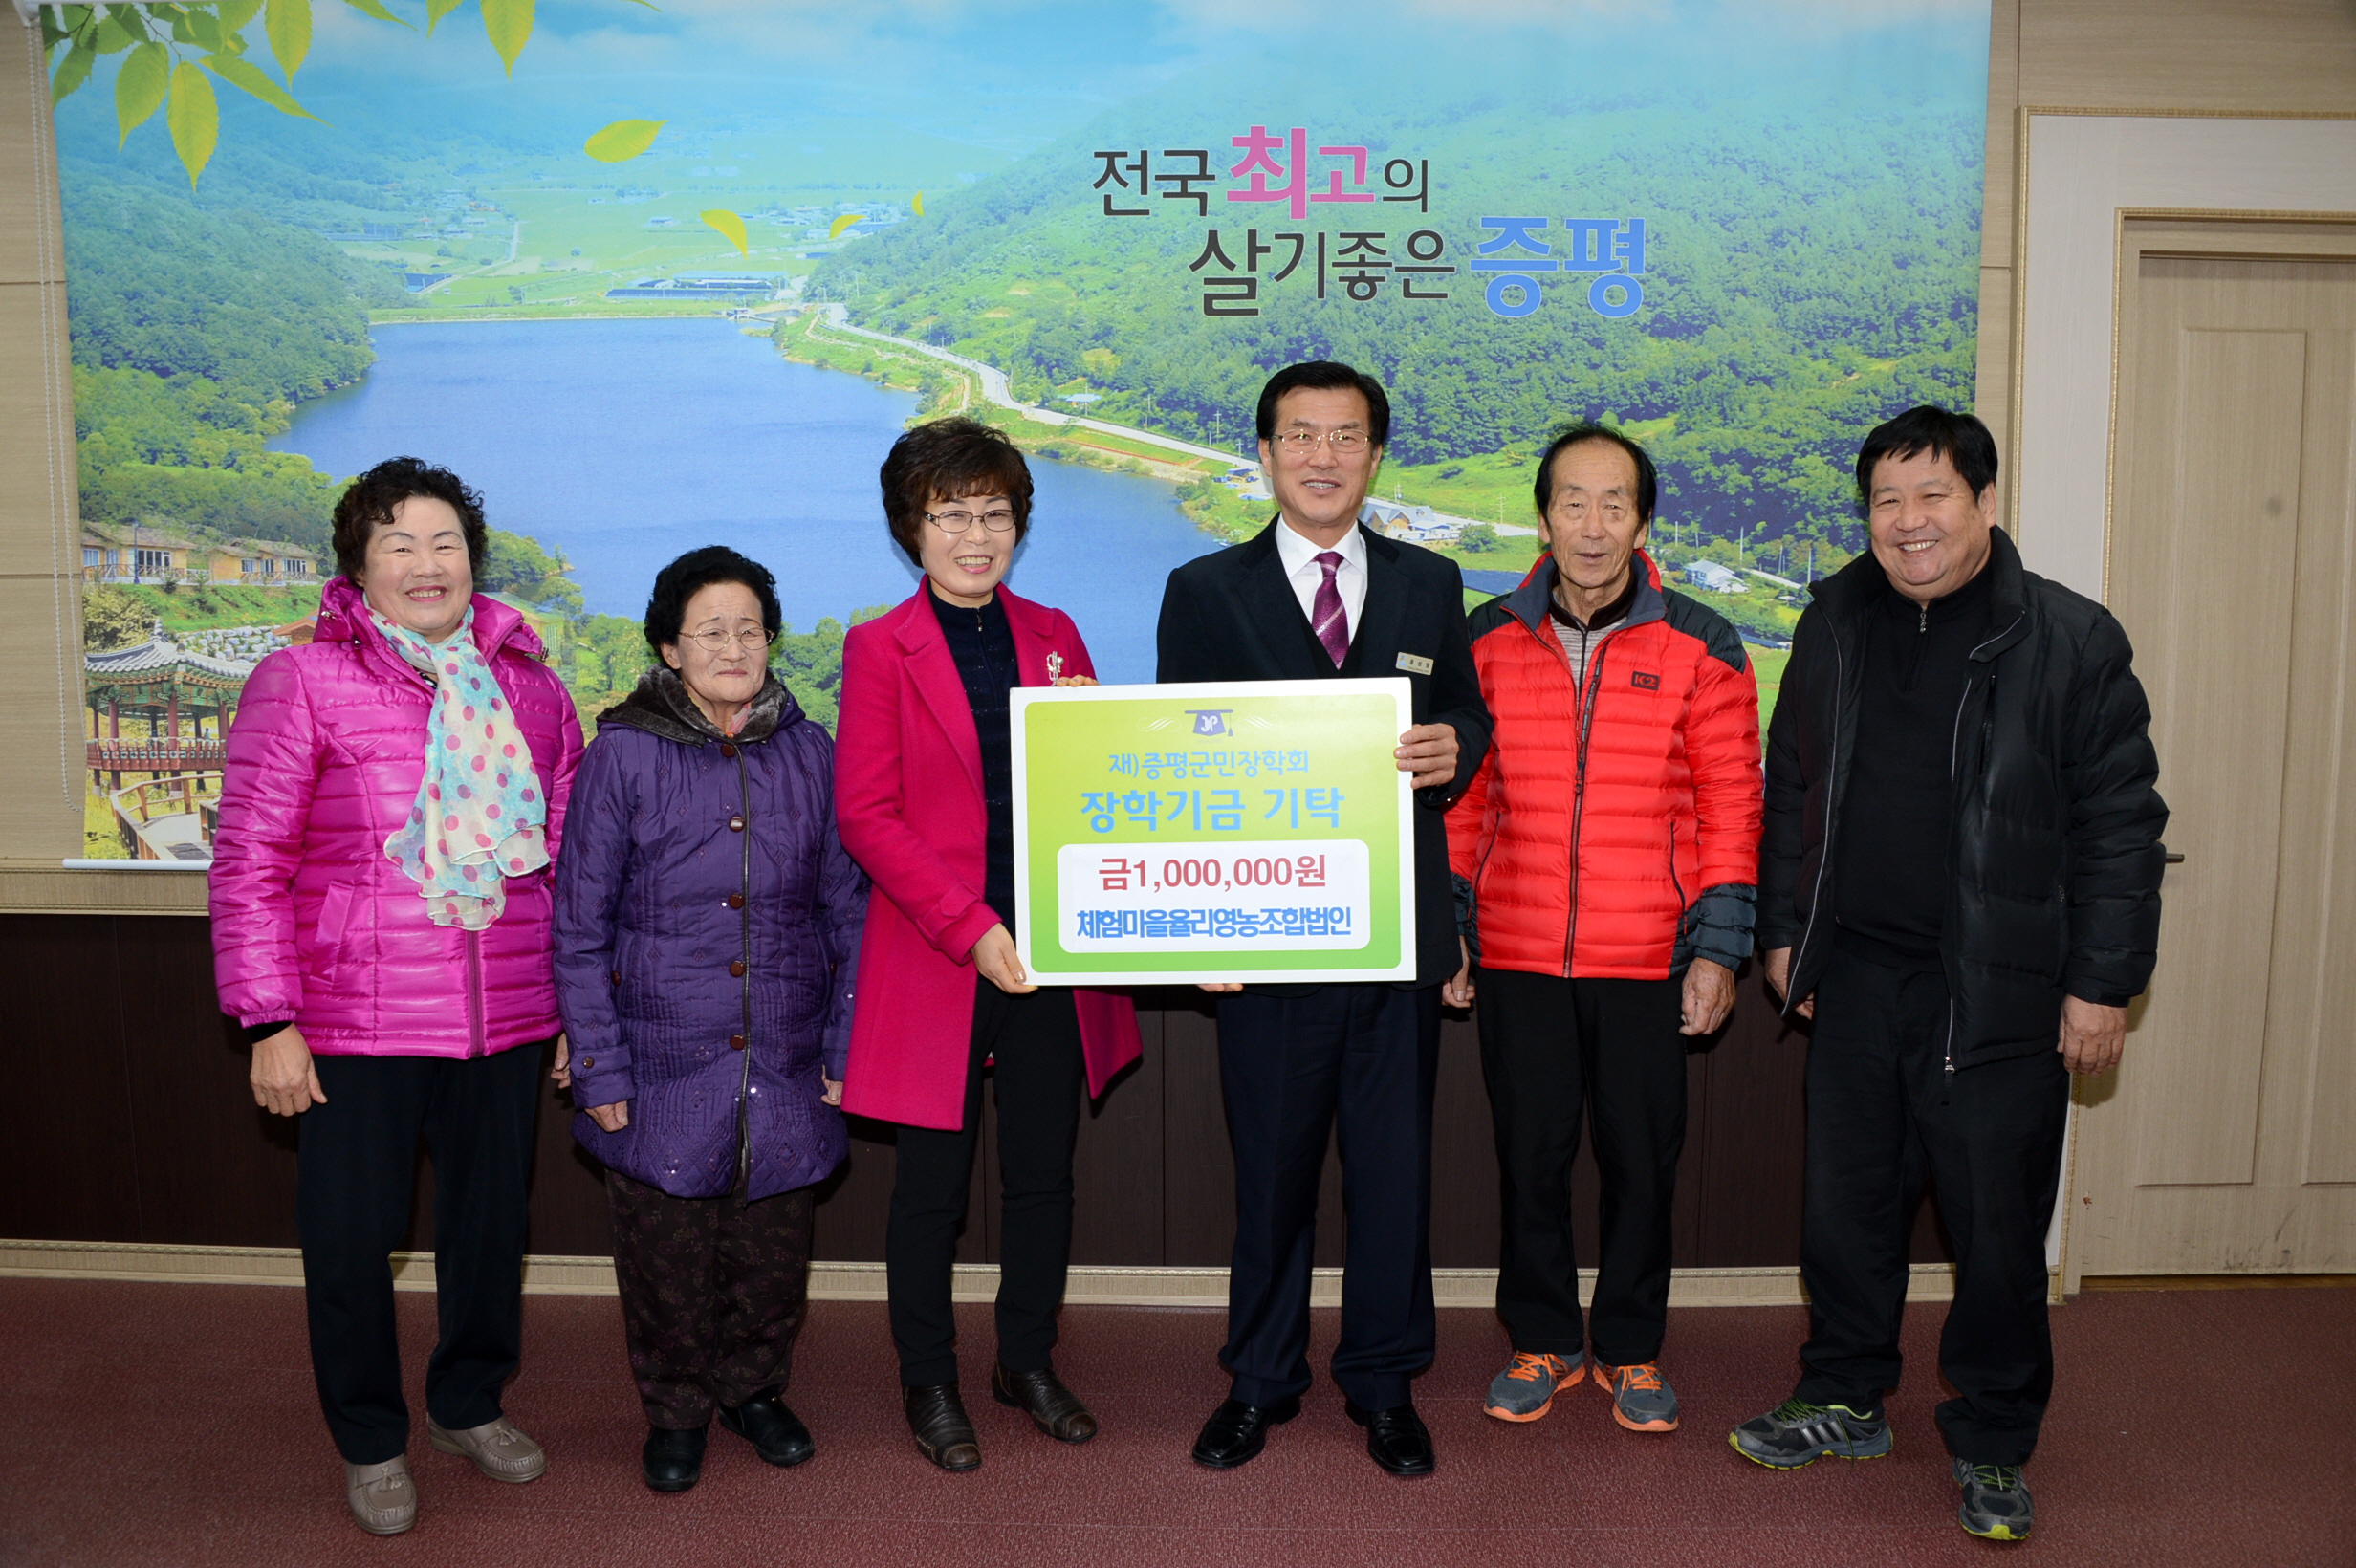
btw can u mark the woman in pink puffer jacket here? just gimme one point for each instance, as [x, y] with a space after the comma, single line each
[380, 899]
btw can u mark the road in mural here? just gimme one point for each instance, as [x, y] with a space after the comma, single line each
[651, 279]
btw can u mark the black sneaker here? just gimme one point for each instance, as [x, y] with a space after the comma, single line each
[1996, 1501]
[1796, 1433]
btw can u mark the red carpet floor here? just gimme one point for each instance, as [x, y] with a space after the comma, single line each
[176, 1424]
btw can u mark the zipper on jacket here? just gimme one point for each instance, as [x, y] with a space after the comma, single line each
[744, 943]
[475, 1042]
[1954, 746]
[477, 1031]
[1832, 789]
[476, 1036]
[1955, 749]
[1946, 1084]
[1955, 872]
[1988, 722]
[1592, 683]
[1570, 915]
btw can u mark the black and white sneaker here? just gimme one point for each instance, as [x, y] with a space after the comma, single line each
[1796, 1433]
[1996, 1501]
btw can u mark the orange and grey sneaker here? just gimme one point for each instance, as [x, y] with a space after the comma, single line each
[1525, 1390]
[1641, 1399]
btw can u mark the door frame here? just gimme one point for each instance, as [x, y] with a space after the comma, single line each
[2081, 174]
[2194, 234]
[2092, 187]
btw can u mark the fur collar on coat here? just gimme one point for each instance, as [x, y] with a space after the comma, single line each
[662, 707]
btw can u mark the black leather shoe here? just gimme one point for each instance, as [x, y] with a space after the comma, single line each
[1053, 1408]
[774, 1430]
[673, 1461]
[1237, 1432]
[1396, 1439]
[937, 1416]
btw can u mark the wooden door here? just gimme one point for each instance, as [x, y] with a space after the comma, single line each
[2226, 1139]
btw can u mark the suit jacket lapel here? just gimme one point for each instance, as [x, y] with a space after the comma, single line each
[1033, 629]
[1380, 616]
[1273, 613]
[933, 670]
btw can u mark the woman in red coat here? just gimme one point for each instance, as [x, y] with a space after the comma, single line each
[924, 799]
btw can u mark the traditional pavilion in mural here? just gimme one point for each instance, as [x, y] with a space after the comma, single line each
[159, 714]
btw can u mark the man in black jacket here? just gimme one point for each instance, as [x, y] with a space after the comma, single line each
[1316, 595]
[1959, 881]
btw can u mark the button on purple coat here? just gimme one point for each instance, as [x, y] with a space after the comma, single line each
[707, 933]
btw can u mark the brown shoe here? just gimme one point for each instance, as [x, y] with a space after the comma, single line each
[383, 1499]
[1053, 1408]
[944, 1433]
[497, 1448]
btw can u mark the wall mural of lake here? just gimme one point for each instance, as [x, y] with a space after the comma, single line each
[624, 443]
[653, 278]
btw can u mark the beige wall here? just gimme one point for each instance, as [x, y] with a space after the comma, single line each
[2211, 57]
[2248, 56]
[40, 535]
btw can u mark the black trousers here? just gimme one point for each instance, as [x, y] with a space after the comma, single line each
[1551, 1050]
[1290, 1067]
[356, 1173]
[1883, 1114]
[1035, 1039]
[713, 1293]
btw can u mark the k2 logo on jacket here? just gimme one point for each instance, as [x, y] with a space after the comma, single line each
[1646, 679]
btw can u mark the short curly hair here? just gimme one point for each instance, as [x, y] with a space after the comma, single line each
[368, 502]
[666, 610]
[947, 460]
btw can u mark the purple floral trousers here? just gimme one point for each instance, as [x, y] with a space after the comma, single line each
[713, 1290]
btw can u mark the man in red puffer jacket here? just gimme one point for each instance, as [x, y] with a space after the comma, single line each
[1605, 860]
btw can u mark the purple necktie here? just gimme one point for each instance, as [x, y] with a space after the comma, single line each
[1325, 617]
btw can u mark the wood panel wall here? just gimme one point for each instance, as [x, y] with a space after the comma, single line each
[135, 1125]
[40, 519]
[2200, 57]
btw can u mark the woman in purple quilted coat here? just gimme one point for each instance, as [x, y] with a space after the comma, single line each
[708, 930]
[394, 793]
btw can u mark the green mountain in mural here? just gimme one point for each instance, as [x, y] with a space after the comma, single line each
[1807, 275]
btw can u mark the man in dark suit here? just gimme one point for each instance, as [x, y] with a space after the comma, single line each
[1316, 595]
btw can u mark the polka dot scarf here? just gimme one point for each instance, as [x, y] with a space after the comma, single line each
[479, 814]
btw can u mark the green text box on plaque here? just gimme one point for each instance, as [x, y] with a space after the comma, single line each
[1246, 830]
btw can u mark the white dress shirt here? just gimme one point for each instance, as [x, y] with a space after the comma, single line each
[1302, 571]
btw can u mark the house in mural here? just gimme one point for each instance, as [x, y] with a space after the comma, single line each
[264, 564]
[1419, 524]
[141, 552]
[1713, 579]
[155, 555]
